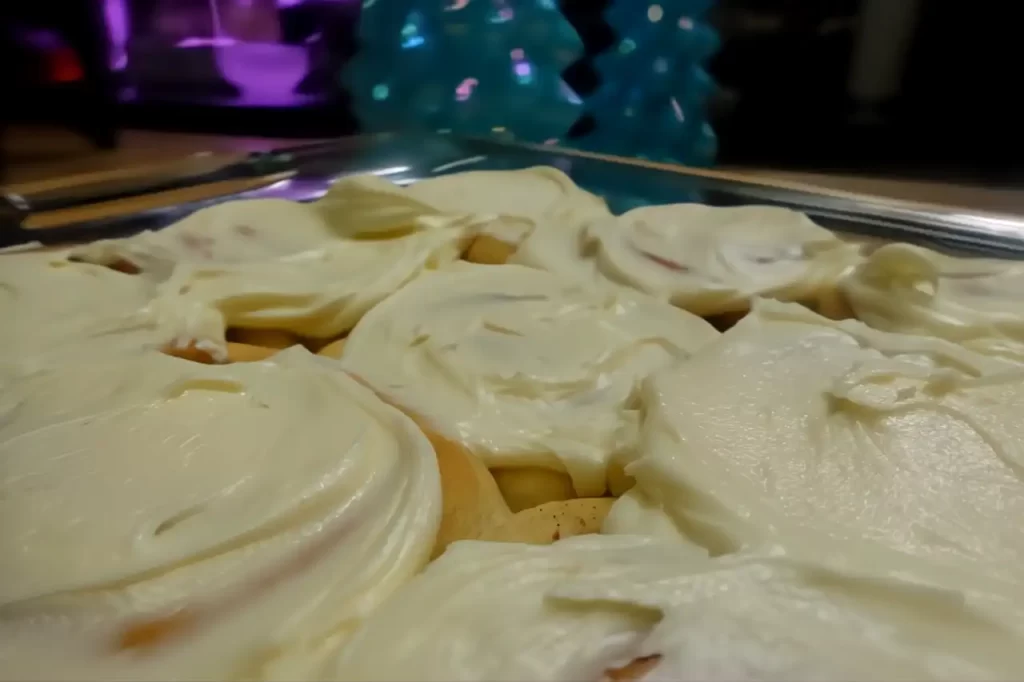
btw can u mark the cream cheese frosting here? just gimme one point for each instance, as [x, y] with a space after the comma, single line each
[520, 366]
[55, 310]
[507, 204]
[241, 231]
[320, 293]
[973, 301]
[274, 264]
[798, 430]
[261, 230]
[519, 199]
[169, 520]
[705, 259]
[575, 609]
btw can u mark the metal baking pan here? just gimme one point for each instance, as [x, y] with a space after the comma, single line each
[625, 183]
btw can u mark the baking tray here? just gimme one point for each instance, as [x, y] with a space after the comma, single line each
[625, 183]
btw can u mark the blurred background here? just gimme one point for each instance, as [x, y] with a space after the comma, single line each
[919, 88]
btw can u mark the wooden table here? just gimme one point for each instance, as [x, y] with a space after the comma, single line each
[45, 158]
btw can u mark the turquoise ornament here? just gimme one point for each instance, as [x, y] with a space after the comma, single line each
[473, 67]
[653, 99]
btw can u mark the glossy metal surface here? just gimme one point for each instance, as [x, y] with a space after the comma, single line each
[406, 158]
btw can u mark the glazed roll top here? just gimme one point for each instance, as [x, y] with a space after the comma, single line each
[973, 301]
[232, 232]
[520, 200]
[309, 269]
[320, 293]
[794, 429]
[507, 205]
[520, 366]
[170, 520]
[585, 607]
[55, 310]
[704, 259]
[258, 230]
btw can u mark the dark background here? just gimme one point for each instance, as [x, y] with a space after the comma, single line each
[784, 99]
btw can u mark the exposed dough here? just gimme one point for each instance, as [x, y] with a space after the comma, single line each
[583, 608]
[521, 367]
[705, 259]
[973, 301]
[474, 507]
[552, 521]
[488, 250]
[472, 503]
[334, 349]
[525, 487]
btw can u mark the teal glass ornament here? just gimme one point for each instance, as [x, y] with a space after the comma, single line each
[653, 99]
[474, 67]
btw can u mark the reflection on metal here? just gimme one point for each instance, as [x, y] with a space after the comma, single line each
[625, 183]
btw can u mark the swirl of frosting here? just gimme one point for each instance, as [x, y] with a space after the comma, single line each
[240, 231]
[56, 310]
[507, 204]
[519, 199]
[705, 259]
[233, 266]
[581, 608]
[262, 230]
[320, 293]
[973, 301]
[521, 367]
[165, 519]
[793, 427]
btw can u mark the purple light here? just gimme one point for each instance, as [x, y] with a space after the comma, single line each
[266, 73]
[116, 15]
[465, 89]
[206, 41]
[521, 67]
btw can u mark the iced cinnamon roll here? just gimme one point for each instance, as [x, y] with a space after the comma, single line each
[520, 366]
[796, 430]
[614, 608]
[316, 294]
[55, 310]
[241, 231]
[261, 230]
[973, 301]
[306, 270]
[517, 201]
[705, 259]
[170, 520]
[63, 311]
[507, 205]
